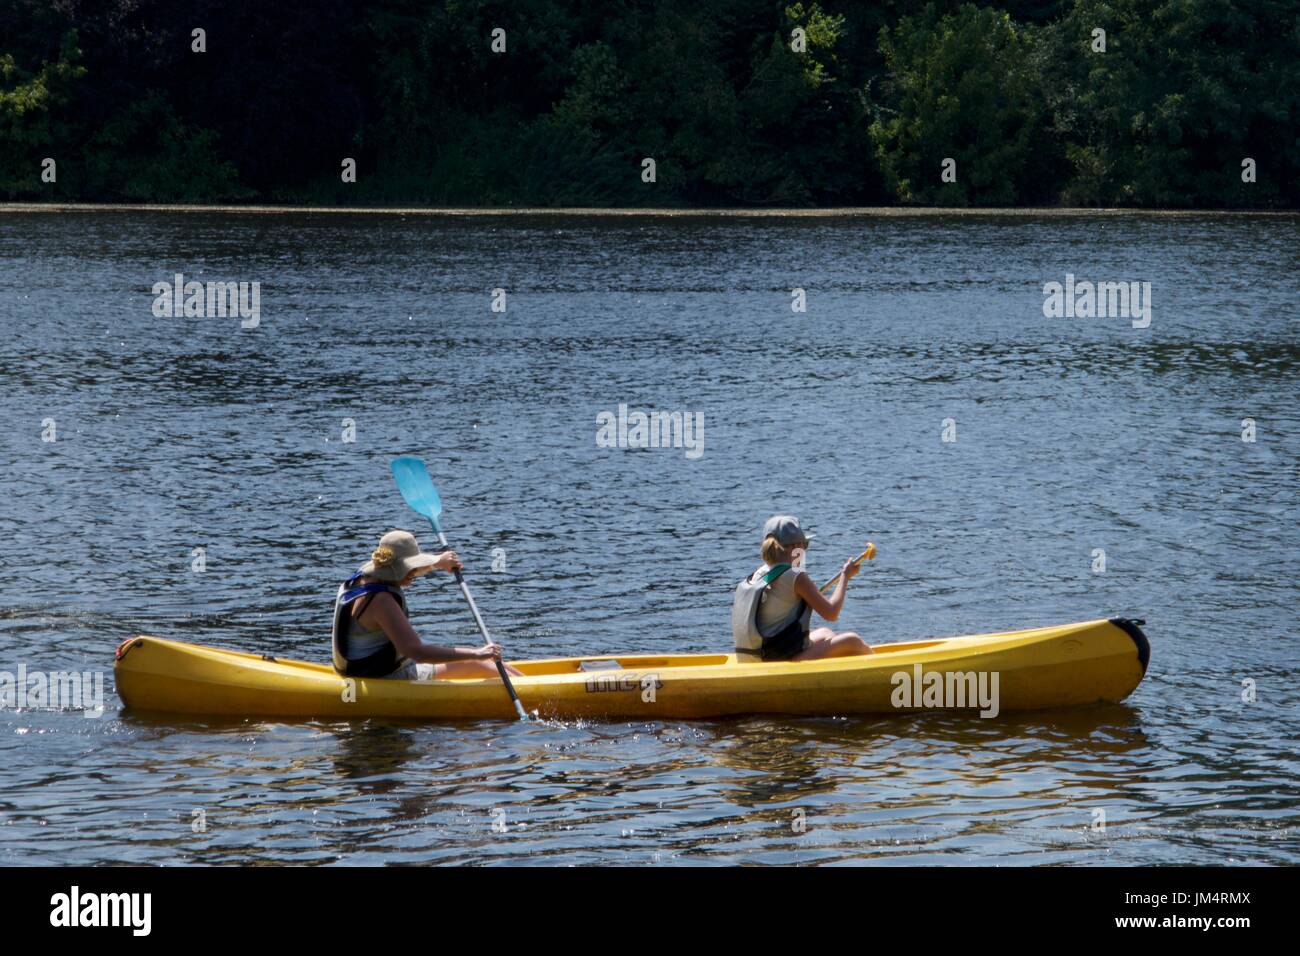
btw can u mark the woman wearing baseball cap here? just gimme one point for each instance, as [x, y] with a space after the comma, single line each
[372, 635]
[774, 605]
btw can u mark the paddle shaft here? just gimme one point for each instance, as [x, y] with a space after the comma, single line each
[857, 561]
[482, 627]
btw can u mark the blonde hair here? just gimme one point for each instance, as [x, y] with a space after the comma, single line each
[773, 551]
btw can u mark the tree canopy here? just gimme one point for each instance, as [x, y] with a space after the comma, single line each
[737, 102]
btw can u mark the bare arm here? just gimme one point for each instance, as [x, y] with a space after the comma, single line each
[827, 608]
[385, 613]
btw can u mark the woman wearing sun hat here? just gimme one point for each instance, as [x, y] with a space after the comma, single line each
[372, 635]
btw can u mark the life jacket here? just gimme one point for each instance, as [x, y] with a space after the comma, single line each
[750, 640]
[383, 661]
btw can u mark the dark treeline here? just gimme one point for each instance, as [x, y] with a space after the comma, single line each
[712, 90]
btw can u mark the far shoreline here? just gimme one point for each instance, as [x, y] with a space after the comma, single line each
[616, 212]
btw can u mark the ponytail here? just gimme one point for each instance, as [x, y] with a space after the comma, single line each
[773, 552]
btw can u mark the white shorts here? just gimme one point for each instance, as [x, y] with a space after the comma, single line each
[413, 671]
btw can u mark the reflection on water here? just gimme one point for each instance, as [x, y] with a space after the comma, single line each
[1073, 436]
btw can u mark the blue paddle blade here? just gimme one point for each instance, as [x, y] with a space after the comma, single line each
[417, 488]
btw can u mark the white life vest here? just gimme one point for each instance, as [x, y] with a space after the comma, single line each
[749, 638]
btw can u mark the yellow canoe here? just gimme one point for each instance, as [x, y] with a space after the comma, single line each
[1069, 664]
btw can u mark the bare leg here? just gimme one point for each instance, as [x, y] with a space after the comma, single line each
[470, 669]
[824, 643]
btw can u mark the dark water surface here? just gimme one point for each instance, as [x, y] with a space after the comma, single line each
[1073, 435]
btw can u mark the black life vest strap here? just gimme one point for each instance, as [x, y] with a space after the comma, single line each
[798, 626]
[383, 661]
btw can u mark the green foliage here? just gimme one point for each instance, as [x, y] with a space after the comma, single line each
[961, 86]
[146, 154]
[31, 119]
[1185, 90]
[713, 90]
[142, 153]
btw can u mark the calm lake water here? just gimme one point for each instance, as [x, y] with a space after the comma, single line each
[1073, 434]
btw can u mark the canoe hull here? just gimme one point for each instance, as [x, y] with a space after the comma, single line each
[1067, 665]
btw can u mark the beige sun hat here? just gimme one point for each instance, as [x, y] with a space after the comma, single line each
[397, 556]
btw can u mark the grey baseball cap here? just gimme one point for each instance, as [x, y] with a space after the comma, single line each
[785, 528]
